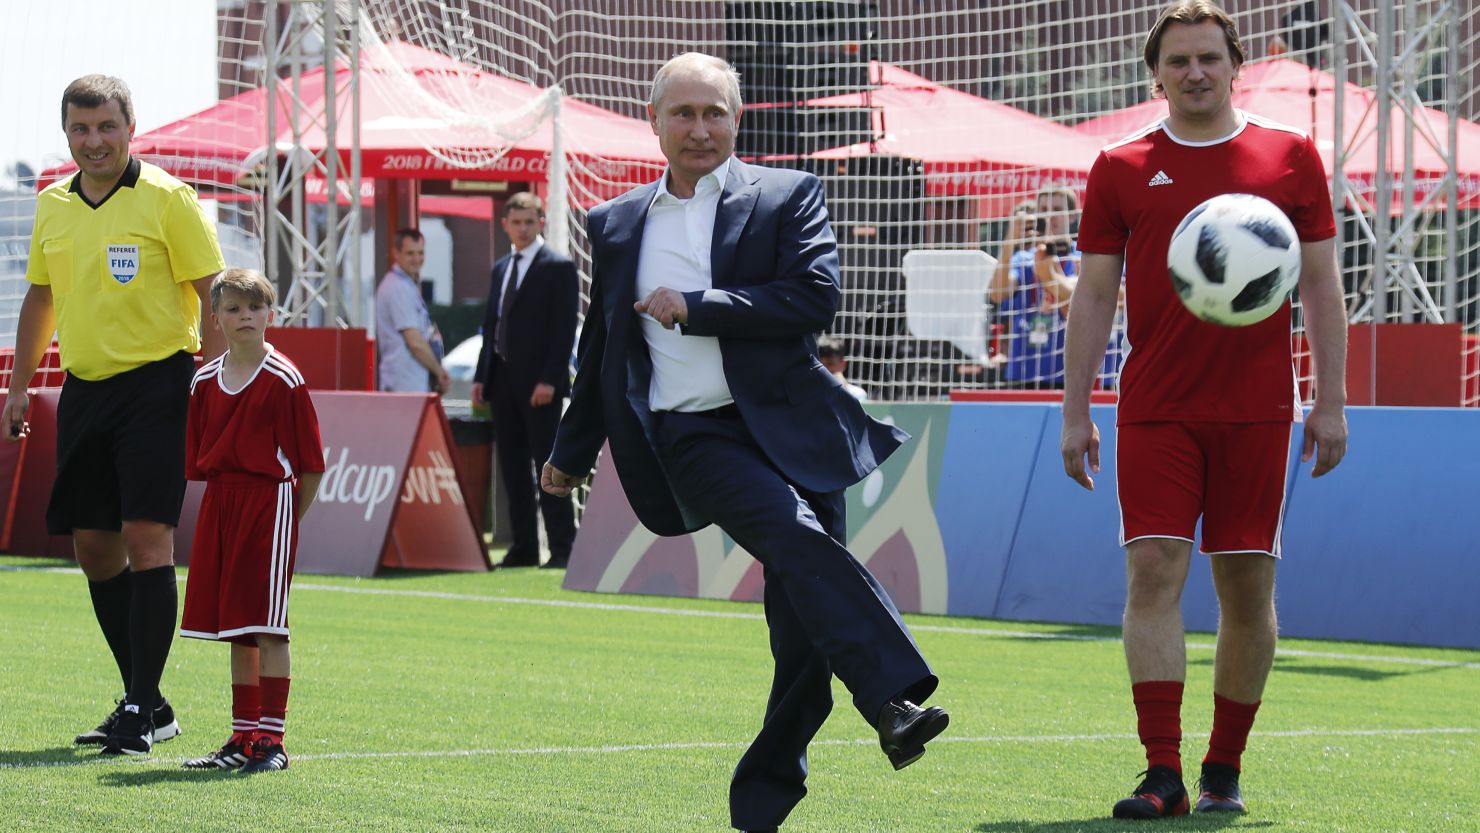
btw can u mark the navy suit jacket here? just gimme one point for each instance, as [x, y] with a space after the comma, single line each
[542, 326]
[774, 265]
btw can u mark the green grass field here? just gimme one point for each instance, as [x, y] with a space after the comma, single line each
[499, 702]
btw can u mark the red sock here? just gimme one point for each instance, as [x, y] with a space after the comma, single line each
[1231, 724]
[1159, 721]
[274, 707]
[246, 708]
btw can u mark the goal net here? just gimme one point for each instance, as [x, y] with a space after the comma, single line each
[930, 125]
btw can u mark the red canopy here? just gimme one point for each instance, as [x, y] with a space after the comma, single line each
[971, 146]
[412, 101]
[1280, 90]
[470, 207]
[429, 106]
[208, 148]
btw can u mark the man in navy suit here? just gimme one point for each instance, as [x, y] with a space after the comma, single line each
[524, 374]
[698, 362]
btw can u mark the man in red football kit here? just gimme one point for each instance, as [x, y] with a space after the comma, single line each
[254, 438]
[1205, 411]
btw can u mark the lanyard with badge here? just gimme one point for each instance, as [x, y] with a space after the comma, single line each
[1042, 322]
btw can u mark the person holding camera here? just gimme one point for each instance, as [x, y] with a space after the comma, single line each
[1031, 287]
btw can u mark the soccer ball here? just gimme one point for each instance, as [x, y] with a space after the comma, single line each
[1234, 259]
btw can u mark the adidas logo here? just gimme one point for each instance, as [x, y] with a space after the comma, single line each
[1161, 178]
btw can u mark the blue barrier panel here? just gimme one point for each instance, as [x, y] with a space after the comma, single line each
[1065, 564]
[1386, 547]
[975, 517]
[984, 477]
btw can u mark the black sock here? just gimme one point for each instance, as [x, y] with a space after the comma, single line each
[151, 631]
[111, 600]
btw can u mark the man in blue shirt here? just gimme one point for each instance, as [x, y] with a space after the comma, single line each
[1037, 269]
[408, 341]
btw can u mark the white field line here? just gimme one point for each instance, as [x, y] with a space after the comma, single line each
[1000, 633]
[100, 760]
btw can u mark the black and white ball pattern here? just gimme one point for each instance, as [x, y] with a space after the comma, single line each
[1234, 259]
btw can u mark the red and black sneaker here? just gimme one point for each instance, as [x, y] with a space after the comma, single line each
[1161, 794]
[268, 755]
[233, 755]
[1218, 790]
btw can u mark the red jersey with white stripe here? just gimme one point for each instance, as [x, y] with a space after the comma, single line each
[1177, 366]
[266, 429]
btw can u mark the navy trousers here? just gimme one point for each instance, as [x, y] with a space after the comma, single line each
[826, 613]
[523, 438]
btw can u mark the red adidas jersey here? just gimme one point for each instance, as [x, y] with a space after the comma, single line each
[1177, 366]
[267, 429]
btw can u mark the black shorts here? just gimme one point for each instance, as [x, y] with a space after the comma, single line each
[121, 448]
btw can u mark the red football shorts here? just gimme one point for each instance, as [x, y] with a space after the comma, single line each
[241, 562]
[1233, 474]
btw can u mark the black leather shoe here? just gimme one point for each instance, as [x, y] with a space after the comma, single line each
[520, 559]
[557, 562]
[905, 728]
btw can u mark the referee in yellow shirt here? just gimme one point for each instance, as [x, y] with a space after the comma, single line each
[121, 258]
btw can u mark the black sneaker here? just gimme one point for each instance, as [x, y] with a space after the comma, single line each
[133, 733]
[165, 725]
[99, 735]
[1161, 794]
[1218, 790]
[268, 754]
[234, 755]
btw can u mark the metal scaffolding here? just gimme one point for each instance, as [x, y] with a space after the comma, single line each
[313, 252]
[1393, 62]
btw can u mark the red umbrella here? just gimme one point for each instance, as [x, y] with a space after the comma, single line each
[414, 117]
[1280, 90]
[971, 146]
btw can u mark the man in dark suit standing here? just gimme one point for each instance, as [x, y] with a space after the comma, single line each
[698, 362]
[524, 374]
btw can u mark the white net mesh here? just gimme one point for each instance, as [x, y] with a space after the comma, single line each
[1466, 247]
[902, 108]
[465, 120]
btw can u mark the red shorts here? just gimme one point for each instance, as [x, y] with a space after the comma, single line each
[1233, 474]
[241, 562]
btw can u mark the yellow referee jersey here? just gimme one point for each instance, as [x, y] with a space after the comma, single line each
[120, 271]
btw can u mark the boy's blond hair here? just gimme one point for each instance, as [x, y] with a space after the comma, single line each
[248, 283]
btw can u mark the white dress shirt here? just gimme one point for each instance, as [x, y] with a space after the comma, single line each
[688, 373]
[526, 257]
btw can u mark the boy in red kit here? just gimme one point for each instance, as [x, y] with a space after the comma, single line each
[1203, 424]
[253, 437]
